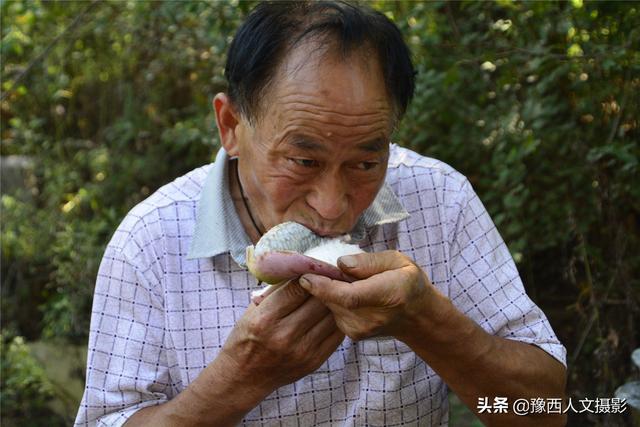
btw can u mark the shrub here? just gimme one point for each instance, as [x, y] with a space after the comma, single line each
[24, 388]
[536, 102]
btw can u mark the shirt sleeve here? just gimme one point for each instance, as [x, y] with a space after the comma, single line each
[485, 284]
[127, 367]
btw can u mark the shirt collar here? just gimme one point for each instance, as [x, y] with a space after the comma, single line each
[218, 228]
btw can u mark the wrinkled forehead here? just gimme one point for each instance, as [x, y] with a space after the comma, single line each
[343, 82]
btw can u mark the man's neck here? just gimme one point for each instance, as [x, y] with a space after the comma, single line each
[242, 204]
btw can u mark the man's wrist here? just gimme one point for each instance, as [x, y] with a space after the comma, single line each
[438, 325]
[427, 313]
[221, 395]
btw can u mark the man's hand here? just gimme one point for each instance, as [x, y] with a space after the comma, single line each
[289, 335]
[394, 297]
[391, 293]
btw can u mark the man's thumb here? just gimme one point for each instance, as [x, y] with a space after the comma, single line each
[365, 265]
[326, 290]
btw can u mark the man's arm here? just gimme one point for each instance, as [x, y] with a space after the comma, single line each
[286, 337]
[476, 364]
[396, 298]
[214, 398]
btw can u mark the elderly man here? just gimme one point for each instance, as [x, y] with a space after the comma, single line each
[315, 91]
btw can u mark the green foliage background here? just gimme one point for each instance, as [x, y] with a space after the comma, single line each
[536, 102]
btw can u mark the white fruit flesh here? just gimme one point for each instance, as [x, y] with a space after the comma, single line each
[330, 250]
[291, 237]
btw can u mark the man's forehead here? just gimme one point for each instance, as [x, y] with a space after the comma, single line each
[374, 145]
[349, 90]
[343, 80]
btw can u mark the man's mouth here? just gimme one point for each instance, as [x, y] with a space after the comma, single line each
[324, 232]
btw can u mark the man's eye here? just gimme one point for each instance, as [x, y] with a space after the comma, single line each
[365, 166]
[307, 163]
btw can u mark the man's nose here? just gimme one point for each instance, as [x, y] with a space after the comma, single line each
[329, 197]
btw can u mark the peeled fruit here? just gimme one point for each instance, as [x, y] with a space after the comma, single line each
[289, 250]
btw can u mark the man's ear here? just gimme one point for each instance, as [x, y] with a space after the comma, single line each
[227, 120]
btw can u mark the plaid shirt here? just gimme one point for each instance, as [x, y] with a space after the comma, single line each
[172, 284]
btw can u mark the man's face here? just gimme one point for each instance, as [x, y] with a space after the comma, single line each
[318, 152]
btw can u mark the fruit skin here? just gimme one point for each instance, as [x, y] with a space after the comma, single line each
[279, 256]
[288, 236]
[280, 266]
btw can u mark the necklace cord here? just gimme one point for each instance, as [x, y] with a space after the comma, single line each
[244, 202]
[246, 206]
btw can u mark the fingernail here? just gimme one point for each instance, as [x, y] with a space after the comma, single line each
[348, 261]
[304, 282]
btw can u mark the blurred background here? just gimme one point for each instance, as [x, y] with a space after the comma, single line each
[536, 102]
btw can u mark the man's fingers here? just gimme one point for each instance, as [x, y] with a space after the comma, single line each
[323, 288]
[362, 266]
[285, 299]
[381, 290]
[258, 296]
[307, 316]
[327, 346]
[322, 329]
[344, 294]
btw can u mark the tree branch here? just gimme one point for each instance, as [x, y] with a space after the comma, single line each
[46, 51]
